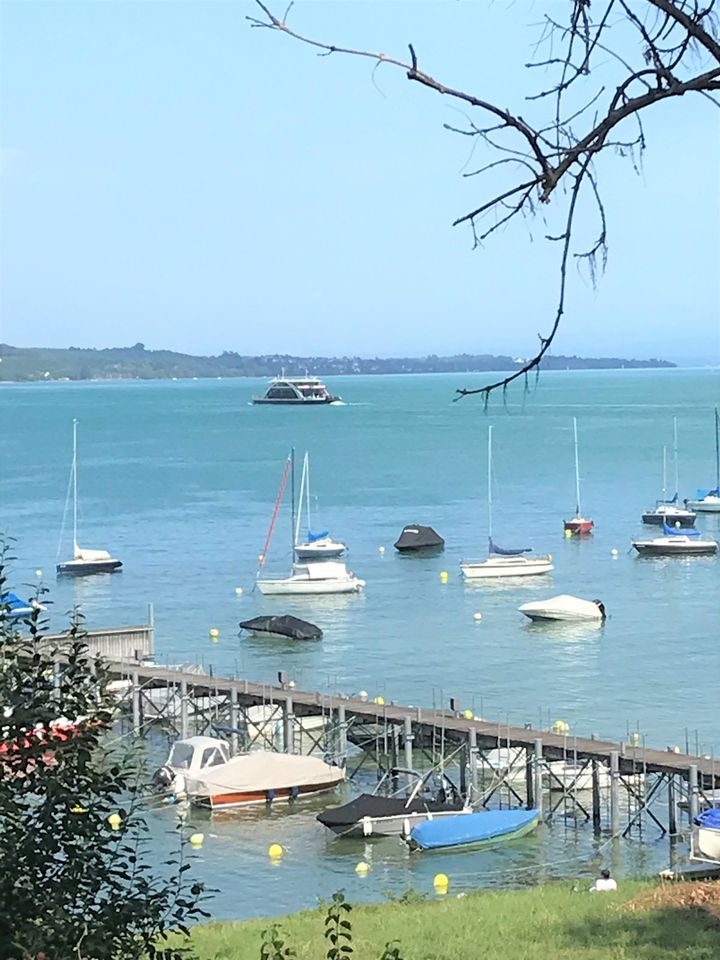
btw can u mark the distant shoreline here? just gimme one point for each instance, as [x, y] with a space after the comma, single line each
[39, 364]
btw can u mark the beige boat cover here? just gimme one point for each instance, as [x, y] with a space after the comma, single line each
[264, 770]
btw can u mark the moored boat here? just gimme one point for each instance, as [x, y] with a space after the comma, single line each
[578, 525]
[282, 628]
[331, 576]
[674, 543]
[299, 391]
[415, 537]
[706, 836]
[16, 608]
[370, 815]
[488, 826]
[708, 501]
[564, 608]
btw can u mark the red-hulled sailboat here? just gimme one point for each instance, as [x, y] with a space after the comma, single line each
[578, 525]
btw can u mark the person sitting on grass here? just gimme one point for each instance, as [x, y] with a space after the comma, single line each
[604, 883]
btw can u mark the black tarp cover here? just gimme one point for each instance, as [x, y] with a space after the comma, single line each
[417, 537]
[291, 627]
[370, 805]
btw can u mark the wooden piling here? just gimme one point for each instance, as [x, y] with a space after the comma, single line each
[614, 792]
[694, 797]
[288, 725]
[233, 720]
[184, 726]
[136, 718]
[538, 775]
[596, 815]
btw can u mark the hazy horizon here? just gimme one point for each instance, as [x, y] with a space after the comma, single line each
[174, 177]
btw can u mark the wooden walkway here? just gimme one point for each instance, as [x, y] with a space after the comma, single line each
[627, 758]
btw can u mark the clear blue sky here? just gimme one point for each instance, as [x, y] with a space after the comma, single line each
[172, 176]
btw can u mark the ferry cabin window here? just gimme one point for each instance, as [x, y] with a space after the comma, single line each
[281, 393]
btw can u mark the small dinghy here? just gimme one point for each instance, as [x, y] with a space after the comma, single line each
[17, 608]
[415, 537]
[564, 608]
[282, 628]
[488, 826]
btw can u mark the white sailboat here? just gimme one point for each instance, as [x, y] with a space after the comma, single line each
[329, 577]
[84, 562]
[317, 546]
[709, 502]
[668, 511]
[579, 524]
[500, 562]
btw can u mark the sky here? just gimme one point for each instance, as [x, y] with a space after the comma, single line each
[172, 176]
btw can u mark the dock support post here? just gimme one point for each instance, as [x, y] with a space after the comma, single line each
[473, 750]
[693, 791]
[614, 792]
[288, 725]
[183, 710]
[342, 732]
[672, 807]
[596, 798]
[408, 744]
[233, 720]
[529, 778]
[136, 703]
[538, 775]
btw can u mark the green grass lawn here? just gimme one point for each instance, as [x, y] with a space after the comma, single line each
[543, 923]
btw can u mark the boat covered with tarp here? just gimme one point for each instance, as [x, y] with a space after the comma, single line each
[371, 815]
[706, 836]
[564, 608]
[15, 607]
[284, 627]
[484, 827]
[415, 536]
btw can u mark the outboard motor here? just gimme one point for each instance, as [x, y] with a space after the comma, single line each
[162, 779]
[601, 607]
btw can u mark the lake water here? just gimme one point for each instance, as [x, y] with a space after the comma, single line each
[178, 479]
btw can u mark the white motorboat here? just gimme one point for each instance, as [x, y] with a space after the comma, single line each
[565, 608]
[676, 544]
[84, 562]
[500, 562]
[331, 576]
[300, 391]
[709, 501]
[201, 770]
[705, 843]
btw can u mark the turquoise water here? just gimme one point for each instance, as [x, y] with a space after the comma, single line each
[178, 479]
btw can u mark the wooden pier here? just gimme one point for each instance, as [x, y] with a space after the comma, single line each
[619, 786]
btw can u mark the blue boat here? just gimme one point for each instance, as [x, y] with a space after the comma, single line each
[17, 608]
[485, 827]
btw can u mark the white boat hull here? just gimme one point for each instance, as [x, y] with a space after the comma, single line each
[394, 826]
[564, 608]
[675, 546]
[292, 587]
[706, 844]
[319, 550]
[706, 505]
[495, 567]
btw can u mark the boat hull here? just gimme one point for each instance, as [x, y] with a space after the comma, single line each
[227, 801]
[495, 567]
[706, 505]
[578, 526]
[289, 587]
[658, 518]
[572, 610]
[475, 830]
[86, 568]
[664, 547]
[308, 402]
[706, 844]
[308, 551]
[393, 826]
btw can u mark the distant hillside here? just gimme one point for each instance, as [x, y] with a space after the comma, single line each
[137, 363]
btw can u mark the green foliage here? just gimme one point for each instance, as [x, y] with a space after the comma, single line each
[391, 951]
[338, 929]
[408, 895]
[70, 885]
[273, 945]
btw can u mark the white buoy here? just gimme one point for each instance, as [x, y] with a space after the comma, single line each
[38, 573]
[381, 550]
[614, 552]
[477, 617]
[238, 591]
[363, 695]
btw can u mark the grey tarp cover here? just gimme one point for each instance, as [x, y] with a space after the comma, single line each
[370, 805]
[416, 537]
[291, 627]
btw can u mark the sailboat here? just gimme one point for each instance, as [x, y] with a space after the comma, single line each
[84, 562]
[331, 576]
[500, 562]
[578, 524]
[709, 501]
[668, 511]
[317, 546]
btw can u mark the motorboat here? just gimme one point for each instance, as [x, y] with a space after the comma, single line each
[282, 628]
[372, 816]
[705, 842]
[331, 576]
[486, 827]
[502, 562]
[578, 525]
[676, 544]
[16, 608]
[200, 769]
[84, 562]
[415, 538]
[708, 501]
[319, 546]
[667, 511]
[564, 608]
[300, 391]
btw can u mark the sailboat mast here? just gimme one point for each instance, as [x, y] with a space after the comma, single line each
[717, 451]
[664, 486]
[577, 471]
[675, 457]
[306, 470]
[489, 482]
[75, 488]
[292, 501]
[303, 480]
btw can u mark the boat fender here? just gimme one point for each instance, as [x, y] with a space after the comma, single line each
[270, 795]
[294, 793]
[406, 828]
[367, 826]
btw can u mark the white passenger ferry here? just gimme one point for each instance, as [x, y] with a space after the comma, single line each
[308, 391]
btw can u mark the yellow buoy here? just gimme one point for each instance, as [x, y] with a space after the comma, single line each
[477, 617]
[468, 714]
[614, 552]
[362, 868]
[379, 700]
[441, 882]
[560, 727]
[78, 809]
[443, 576]
[238, 591]
[115, 821]
[568, 533]
[196, 840]
[275, 851]
[214, 634]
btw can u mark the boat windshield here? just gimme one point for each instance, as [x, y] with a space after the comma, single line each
[181, 756]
